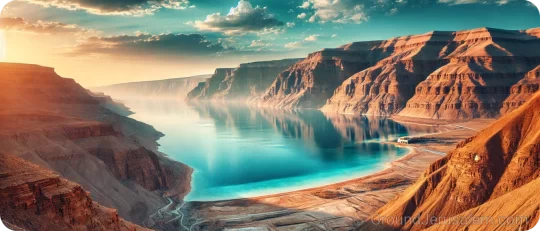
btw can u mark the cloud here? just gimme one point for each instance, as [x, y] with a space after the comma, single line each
[461, 2]
[291, 24]
[338, 11]
[312, 38]
[242, 19]
[305, 5]
[259, 43]
[293, 45]
[299, 44]
[334, 35]
[143, 45]
[359, 11]
[114, 7]
[40, 27]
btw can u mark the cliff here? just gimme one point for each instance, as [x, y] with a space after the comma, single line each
[245, 82]
[441, 75]
[481, 178]
[167, 88]
[55, 123]
[33, 198]
[310, 82]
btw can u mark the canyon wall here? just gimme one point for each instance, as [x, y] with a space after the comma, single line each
[442, 75]
[245, 82]
[55, 123]
[33, 198]
[476, 73]
[167, 88]
[481, 178]
[310, 82]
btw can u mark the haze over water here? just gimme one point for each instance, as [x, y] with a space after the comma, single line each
[239, 151]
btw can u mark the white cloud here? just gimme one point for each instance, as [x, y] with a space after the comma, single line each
[242, 19]
[339, 11]
[460, 2]
[312, 38]
[305, 5]
[259, 43]
[116, 7]
[302, 16]
[293, 45]
[291, 24]
[334, 35]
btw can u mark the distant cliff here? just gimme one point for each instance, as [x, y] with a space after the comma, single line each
[167, 88]
[441, 75]
[245, 82]
[57, 124]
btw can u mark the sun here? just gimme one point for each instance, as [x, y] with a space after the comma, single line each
[3, 48]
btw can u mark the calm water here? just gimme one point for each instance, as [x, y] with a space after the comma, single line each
[243, 152]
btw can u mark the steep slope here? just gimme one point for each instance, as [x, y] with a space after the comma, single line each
[205, 89]
[55, 123]
[33, 198]
[310, 82]
[522, 91]
[499, 163]
[444, 75]
[167, 88]
[384, 88]
[483, 65]
[248, 80]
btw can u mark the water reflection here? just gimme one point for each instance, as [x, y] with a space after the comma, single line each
[240, 151]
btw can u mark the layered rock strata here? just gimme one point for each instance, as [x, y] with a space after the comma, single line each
[441, 75]
[177, 88]
[55, 123]
[33, 198]
[480, 179]
[245, 82]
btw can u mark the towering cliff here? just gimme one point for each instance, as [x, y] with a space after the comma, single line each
[384, 88]
[522, 91]
[245, 82]
[441, 75]
[55, 123]
[310, 82]
[34, 198]
[167, 88]
[480, 179]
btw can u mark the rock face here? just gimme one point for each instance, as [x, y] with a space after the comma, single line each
[497, 167]
[310, 82]
[56, 124]
[33, 198]
[167, 88]
[384, 88]
[245, 82]
[522, 91]
[441, 75]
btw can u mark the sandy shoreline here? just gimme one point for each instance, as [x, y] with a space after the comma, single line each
[339, 206]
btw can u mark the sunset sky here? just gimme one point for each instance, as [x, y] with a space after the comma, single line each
[99, 42]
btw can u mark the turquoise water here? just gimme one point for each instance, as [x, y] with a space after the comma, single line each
[237, 151]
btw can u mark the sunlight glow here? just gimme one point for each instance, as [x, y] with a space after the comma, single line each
[3, 47]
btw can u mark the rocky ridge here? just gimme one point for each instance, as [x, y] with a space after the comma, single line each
[56, 124]
[245, 82]
[33, 198]
[496, 167]
[168, 88]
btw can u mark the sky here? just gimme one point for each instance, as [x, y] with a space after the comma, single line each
[101, 42]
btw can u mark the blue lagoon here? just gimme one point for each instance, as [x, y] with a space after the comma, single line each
[240, 151]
